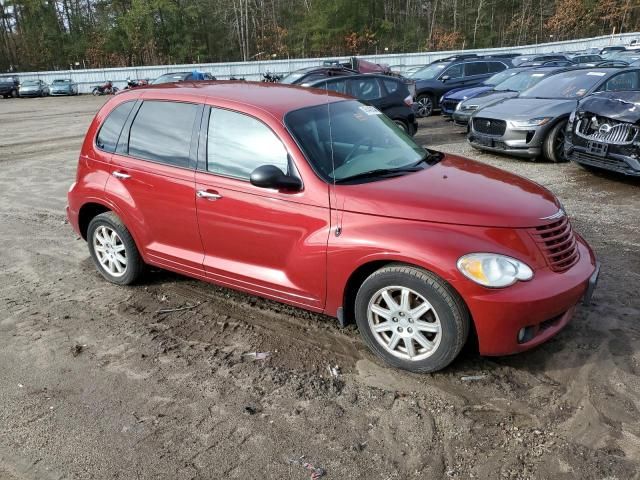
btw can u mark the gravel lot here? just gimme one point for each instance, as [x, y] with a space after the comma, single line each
[96, 384]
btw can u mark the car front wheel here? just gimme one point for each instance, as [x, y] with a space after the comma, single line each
[411, 318]
[425, 105]
[113, 250]
[553, 146]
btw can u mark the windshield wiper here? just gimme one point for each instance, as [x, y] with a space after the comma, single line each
[379, 172]
[430, 157]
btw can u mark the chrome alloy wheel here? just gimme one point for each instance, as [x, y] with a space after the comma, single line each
[110, 251]
[404, 323]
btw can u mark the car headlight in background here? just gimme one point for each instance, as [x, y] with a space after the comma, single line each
[493, 270]
[534, 122]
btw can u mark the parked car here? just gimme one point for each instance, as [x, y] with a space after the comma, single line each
[9, 86]
[64, 86]
[175, 77]
[390, 95]
[33, 88]
[539, 58]
[590, 60]
[311, 74]
[534, 123]
[604, 132]
[612, 49]
[525, 78]
[441, 76]
[321, 202]
[449, 101]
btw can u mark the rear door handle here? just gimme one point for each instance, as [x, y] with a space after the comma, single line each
[121, 175]
[208, 195]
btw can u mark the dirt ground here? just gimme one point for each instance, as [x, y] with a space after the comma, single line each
[95, 383]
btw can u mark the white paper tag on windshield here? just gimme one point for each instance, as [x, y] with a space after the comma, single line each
[369, 110]
[597, 74]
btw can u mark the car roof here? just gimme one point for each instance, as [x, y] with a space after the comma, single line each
[275, 98]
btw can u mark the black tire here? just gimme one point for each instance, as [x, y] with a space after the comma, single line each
[553, 145]
[135, 264]
[95, 92]
[426, 105]
[14, 93]
[403, 125]
[451, 311]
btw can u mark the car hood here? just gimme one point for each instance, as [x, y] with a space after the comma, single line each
[522, 108]
[489, 97]
[464, 93]
[621, 106]
[455, 191]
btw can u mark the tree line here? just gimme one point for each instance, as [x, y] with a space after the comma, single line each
[57, 34]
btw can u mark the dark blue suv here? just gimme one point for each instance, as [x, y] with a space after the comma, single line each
[441, 76]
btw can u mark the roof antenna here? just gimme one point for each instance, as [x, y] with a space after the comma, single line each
[338, 219]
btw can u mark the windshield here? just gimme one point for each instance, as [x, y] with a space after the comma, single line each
[521, 81]
[170, 77]
[500, 77]
[30, 83]
[292, 77]
[429, 72]
[62, 81]
[345, 139]
[571, 84]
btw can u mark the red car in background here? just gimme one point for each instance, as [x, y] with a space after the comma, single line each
[316, 200]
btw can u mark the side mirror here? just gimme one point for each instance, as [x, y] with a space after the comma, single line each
[444, 78]
[270, 176]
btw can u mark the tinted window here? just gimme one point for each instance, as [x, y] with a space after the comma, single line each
[475, 68]
[238, 144]
[339, 86]
[110, 131]
[623, 81]
[455, 71]
[496, 67]
[365, 88]
[429, 72]
[391, 86]
[162, 132]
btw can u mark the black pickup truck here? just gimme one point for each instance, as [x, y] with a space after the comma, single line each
[9, 86]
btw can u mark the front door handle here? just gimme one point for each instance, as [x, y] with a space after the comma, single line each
[121, 175]
[208, 195]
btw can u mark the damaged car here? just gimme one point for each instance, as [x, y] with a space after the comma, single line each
[533, 124]
[604, 133]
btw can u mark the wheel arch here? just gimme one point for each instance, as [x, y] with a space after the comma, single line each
[362, 272]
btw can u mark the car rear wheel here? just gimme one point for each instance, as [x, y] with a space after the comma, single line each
[14, 93]
[113, 250]
[425, 105]
[553, 146]
[411, 318]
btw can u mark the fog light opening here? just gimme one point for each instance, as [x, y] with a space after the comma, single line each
[525, 334]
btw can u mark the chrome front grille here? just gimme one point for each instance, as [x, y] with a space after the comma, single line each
[558, 243]
[606, 130]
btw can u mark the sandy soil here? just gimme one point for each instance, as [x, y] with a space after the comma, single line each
[96, 384]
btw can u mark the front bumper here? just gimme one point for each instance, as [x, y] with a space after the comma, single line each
[614, 159]
[542, 306]
[30, 94]
[60, 92]
[518, 142]
[461, 117]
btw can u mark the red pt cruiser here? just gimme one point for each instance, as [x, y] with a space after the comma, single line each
[316, 200]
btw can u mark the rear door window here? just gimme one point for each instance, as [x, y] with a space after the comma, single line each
[475, 68]
[111, 128]
[623, 81]
[495, 67]
[365, 88]
[237, 144]
[339, 86]
[161, 132]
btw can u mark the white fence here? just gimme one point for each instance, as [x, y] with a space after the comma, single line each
[254, 70]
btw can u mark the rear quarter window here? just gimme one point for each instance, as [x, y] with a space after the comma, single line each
[162, 132]
[111, 128]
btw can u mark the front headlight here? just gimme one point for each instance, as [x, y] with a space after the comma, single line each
[458, 106]
[534, 122]
[493, 270]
